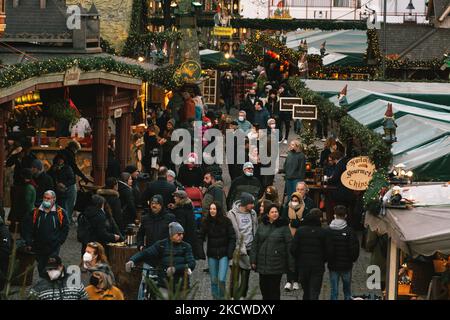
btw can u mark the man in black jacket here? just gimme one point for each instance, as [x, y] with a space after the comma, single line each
[309, 251]
[45, 230]
[245, 183]
[111, 193]
[161, 187]
[69, 153]
[342, 195]
[43, 181]
[342, 251]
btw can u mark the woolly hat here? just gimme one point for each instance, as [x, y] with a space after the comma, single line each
[180, 194]
[37, 164]
[174, 228]
[158, 199]
[171, 173]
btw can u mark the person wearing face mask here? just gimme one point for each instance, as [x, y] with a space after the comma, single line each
[245, 183]
[190, 174]
[45, 230]
[94, 259]
[243, 124]
[42, 180]
[101, 287]
[54, 284]
[172, 178]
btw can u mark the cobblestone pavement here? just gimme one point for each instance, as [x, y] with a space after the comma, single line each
[70, 254]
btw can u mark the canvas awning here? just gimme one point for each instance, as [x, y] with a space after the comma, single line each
[422, 230]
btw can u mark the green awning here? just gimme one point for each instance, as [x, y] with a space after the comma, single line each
[218, 61]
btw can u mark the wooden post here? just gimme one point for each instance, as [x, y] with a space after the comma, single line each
[100, 144]
[391, 274]
[123, 140]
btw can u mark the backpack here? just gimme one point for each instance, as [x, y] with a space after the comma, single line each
[59, 212]
[84, 229]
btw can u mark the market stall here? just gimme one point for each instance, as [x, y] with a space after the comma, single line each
[419, 228]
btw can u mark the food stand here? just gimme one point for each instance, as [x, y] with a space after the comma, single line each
[421, 229]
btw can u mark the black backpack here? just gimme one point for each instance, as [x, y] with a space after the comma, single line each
[84, 229]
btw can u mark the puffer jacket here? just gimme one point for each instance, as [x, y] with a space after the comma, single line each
[154, 227]
[271, 248]
[220, 235]
[309, 244]
[342, 246]
[168, 254]
[243, 184]
[113, 199]
[184, 214]
[214, 193]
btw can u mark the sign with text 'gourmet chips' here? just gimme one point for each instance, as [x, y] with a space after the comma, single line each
[358, 174]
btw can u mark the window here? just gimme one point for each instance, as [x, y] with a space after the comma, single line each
[210, 88]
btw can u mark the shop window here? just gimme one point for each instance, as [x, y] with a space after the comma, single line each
[210, 88]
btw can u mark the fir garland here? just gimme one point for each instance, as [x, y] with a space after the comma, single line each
[372, 143]
[137, 44]
[371, 198]
[164, 77]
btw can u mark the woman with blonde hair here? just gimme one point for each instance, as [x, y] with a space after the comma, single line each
[94, 259]
[294, 166]
[101, 287]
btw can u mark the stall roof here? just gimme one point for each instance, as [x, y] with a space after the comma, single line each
[421, 230]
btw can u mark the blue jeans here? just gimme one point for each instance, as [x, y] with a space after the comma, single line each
[71, 198]
[346, 282]
[218, 272]
[290, 187]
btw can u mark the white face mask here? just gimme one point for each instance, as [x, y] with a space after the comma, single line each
[54, 274]
[249, 174]
[241, 118]
[294, 203]
[87, 257]
[272, 125]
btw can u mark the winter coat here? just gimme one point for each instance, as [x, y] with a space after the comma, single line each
[168, 254]
[20, 164]
[245, 126]
[60, 289]
[113, 167]
[102, 228]
[342, 195]
[127, 202]
[184, 214]
[214, 193]
[249, 107]
[270, 251]
[261, 118]
[342, 246]
[273, 107]
[309, 244]
[190, 177]
[154, 227]
[71, 161]
[295, 166]
[243, 184]
[162, 187]
[220, 236]
[109, 294]
[46, 232]
[113, 199]
[66, 176]
[44, 182]
[295, 215]
[24, 198]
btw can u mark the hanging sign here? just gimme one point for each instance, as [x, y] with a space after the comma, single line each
[358, 174]
[190, 71]
[304, 112]
[117, 113]
[287, 104]
[72, 76]
[223, 31]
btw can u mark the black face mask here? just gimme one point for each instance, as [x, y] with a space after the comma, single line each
[94, 281]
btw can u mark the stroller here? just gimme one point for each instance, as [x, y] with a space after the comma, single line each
[196, 196]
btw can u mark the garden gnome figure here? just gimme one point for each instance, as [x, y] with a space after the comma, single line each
[342, 97]
[389, 125]
[322, 49]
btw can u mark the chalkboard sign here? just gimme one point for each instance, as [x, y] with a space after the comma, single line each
[304, 112]
[287, 104]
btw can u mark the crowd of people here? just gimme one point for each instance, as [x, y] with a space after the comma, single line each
[188, 210]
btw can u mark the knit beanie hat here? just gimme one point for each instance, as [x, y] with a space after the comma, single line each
[37, 164]
[246, 199]
[158, 199]
[174, 228]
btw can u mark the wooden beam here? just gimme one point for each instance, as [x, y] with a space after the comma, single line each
[392, 271]
[4, 109]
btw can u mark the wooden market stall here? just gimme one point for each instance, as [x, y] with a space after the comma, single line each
[421, 230]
